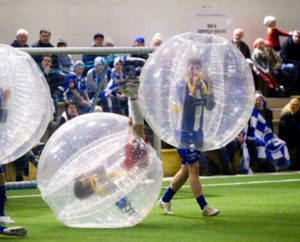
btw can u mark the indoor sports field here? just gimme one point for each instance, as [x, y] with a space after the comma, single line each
[261, 207]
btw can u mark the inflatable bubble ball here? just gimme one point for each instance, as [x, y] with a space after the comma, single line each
[26, 104]
[95, 173]
[197, 91]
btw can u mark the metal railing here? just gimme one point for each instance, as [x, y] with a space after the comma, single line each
[88, 50]
[99, 51]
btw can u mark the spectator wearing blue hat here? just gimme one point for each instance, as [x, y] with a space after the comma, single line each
[134, 62]
[88, 59]
[75, 88]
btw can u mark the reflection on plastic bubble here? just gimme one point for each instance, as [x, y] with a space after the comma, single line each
[95, 173]
[26, 104]
[196, 90]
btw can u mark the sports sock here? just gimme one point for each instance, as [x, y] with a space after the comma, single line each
[168, 195]
[201, 201]
[2, 228]
[2, 200]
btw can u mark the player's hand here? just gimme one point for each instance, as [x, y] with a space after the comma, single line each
[84, 102]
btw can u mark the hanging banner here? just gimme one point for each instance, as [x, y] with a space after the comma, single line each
[212, 20]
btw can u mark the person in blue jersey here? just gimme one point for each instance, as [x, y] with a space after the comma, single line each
[75, 88]
[112, 93]
[194, 94]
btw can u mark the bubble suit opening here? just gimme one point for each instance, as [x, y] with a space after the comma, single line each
[95, 173]
[220, 109]
[26, 104]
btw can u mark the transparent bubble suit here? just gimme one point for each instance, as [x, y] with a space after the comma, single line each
[162, 86]
[96, 144]
[29, 108]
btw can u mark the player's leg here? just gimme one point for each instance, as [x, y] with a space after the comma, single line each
[3, 218]
[193, 171]
[177, 182]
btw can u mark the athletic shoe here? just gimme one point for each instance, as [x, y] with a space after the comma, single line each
[6, 219]
[15, 231]
[166, 207]
[209, 211]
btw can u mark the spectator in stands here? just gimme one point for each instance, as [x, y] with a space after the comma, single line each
[133, 63]
[273, 32]
[115, 76]
[22, 167]
[108, 43]
[289, 130]
[238, 35]
[261, 148]
[65, 61]
[275, 61]
[93, 79]
[21, 39]
[68, 114]
[44, 41]
[262, 66]
[139, 42]
[226, 154]
[261, 106]
[156, 40]
[75, 88]
[290, 54]
[54, 78]
[88, 59]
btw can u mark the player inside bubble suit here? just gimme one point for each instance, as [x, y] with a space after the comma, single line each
[5, 93]
[100, 181]
[194, 94]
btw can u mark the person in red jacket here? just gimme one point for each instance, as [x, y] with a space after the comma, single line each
[273, 32]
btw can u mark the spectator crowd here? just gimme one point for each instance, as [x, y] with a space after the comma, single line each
[91, 81]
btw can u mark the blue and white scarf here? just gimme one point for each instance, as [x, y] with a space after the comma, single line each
[269, 146]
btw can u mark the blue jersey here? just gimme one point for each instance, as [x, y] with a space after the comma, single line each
[190, 123]
[72, 82]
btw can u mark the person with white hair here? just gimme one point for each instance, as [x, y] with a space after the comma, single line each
[238, 35]
[21, 39]
[273, 32]
[156, 40]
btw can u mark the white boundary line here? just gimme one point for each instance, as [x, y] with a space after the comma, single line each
[244, 183]
[204, 185]
[242, 175]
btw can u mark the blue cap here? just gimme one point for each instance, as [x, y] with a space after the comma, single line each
[139, 39]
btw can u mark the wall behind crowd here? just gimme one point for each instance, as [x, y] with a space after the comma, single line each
[122, 20]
